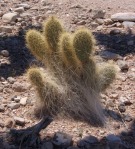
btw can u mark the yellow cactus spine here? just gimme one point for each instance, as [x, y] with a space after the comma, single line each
[52, 30]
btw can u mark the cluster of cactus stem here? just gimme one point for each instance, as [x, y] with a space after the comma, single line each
[70, 82]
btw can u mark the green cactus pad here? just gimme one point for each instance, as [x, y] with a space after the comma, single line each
[83, 43]
[52, 30]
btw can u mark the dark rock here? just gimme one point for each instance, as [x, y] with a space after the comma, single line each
[88, 142]
[62, 140]
[4, 53]
[122, 107]
[114, 141]
[47, 145]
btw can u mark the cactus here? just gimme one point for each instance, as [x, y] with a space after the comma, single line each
[37, 45]
[107, 74]
[61, 89]
[52, 30]
[83, 43]
[66, 52]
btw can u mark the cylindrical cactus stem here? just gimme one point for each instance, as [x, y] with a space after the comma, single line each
[106, 75]
[52, 30]
[36, 77]
[48, 89]
[67, 53]
[83, 43]
[37, 45]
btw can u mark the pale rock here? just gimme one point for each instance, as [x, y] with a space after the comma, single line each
[13, 105]
[10, 17]
[123, 65]
[11, 80]
[25, 6]
[128, 24]
[98, 14]
[123, 16]
[19, 87]
[1, 13]
[2, 109]
[94, 24]
[82, 22]
[19, 121]
[9, 122]
[100, 21]
[99, 28]
[108, 21]
[6, 29]
[19, 9]
[23, 101]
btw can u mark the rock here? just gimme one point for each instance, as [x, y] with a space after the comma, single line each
[6, 29]
[72, 147]
[128, 24]
[4, 53]
[19, 10]
[99, 28]
[45, 2]
[1, 13]
[16, 98]
[123, 65]
[11, 80]
[123, 16]
[98, 14]
[23, 101]
[25, 6]
[121, 107]
[14, 105]
[87, 142]
[130, 43]
[109, 55]
[10, 17]
[19, 121]
[131, 76]
[2, 109]
[62, 140]
[82, 22]
[108, 21]
[125, 101]
[115, 31]
[100, 21]
[47, 145]
[94, 24]
[9, 122]
[127, 118]
[19, 87]
[114, 141]
[1, 123]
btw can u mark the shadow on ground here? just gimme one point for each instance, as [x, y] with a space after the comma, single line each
[20, 57]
